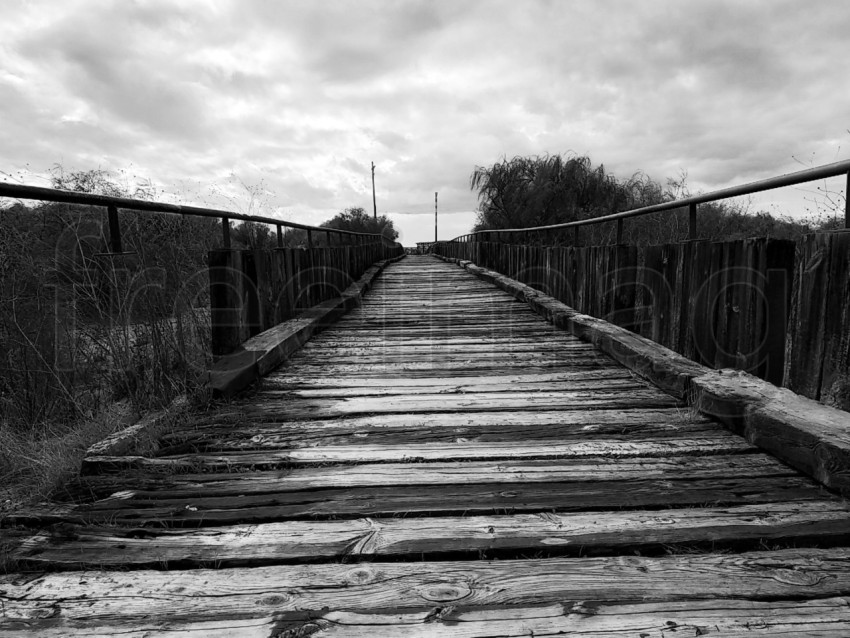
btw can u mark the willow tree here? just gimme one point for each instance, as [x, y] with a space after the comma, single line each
[535, 191]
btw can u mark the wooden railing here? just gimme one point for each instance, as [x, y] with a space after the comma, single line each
[778, 309]
[691, 203]
[113, 204]
[250, 290]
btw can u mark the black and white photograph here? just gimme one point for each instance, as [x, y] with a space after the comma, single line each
[424, 318]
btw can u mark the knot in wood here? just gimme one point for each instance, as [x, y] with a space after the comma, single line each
[445, 592]
[274, 600]
[359, 576]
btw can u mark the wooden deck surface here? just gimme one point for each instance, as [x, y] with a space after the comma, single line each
[441, 462]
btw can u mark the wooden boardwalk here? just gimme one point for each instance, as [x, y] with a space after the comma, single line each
[441, 462]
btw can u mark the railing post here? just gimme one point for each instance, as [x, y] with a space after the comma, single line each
[575, 235]
[279, 236]
[114, 230]
[619, 231]
[692, 221]
[309, 238]
[225, 231]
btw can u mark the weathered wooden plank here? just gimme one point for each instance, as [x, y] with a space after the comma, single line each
[234, 430]
[53, 600]
[412, 452]
[478, 402]
[600, 421]
[375, 355]
[341, 352]
[435, 473]
[821, 618]
[333, 339]
[482, 315]
[728, 618]
[447, 323]
[577, 534]
[414, 369]
[804, 433]
[477, 303]
[404, 501]
[392, 447]
[278, 390]
[434, 330]
[290, 379]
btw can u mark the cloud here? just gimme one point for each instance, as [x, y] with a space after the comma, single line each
[303, 95]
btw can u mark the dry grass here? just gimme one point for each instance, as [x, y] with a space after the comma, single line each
[37, 464]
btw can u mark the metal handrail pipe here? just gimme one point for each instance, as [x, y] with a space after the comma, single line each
[790, 179]
[19, 191]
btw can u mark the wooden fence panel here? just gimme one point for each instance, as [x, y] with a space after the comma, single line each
[818, 353]
[252, 291]
[229, 290]
[723, 304]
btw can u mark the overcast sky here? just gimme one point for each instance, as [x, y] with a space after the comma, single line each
[298, 97]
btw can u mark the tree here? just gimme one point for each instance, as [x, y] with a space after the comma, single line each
[359, 221]
[254, 235]
[541, 190]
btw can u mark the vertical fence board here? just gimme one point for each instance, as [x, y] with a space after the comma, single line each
[723, 304]
[835, 382]
[228, 300]
[699, 274]
[254, 290]
[804, 355]
[625, 286]
[776, 302]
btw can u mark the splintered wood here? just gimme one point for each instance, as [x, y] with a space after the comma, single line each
[441, 462]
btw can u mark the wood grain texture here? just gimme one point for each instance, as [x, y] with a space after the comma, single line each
[444, 462]
[113, 597]
[582, 533]
[730, 618]
[407, 451]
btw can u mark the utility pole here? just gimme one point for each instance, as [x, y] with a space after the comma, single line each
[435, 218]
[374, 201]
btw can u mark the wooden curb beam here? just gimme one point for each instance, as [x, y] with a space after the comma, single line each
[141, 437]
[809, 436]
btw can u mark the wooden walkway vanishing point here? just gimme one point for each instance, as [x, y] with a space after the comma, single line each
[441, 462]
